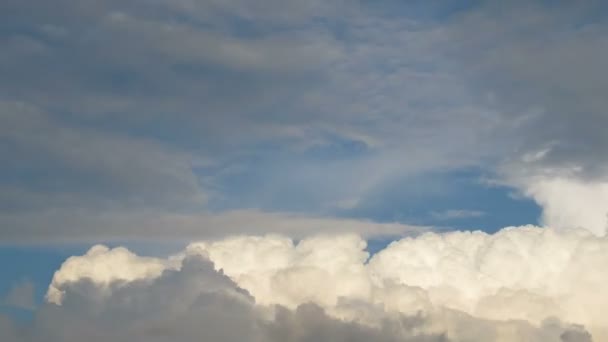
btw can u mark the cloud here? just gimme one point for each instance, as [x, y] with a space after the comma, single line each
[149, 105]
[104, 267]
[66, 182]
[320, 270]
[518, 281]
[190, 303]
[554, 55]
[54, 164]
[86, 225]
[571, 202]
[539, 65]
[21, 296]
[181, 305]
[129, 120]
[191, 299]
[456, 214]
[523, 273]
[155, 105]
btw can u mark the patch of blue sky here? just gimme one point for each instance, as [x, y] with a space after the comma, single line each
[32, 263]
[279, 179]
[425, 199]
[274, 177]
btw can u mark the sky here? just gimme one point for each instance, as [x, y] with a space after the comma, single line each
[443, 163]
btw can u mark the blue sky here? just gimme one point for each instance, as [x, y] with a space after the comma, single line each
[154, 124]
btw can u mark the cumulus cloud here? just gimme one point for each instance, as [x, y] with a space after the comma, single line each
[193, 302]
[276, 271]
[520, 281]
[570, 202]
[104, 267]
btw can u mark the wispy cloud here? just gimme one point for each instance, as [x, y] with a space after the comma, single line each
[21, 296]
[456, 214]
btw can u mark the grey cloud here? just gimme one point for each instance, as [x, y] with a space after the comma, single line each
[21, 296]
[211, 76]
[59, 225]
[575, 336]
[97, 65]
[543, 66]
[181, 306]
[471, 329]
[456, 214]
[172, 82]
[310, 323]
[48, 161]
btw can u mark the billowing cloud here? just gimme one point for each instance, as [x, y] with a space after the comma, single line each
[571, 202]
[516, 280]
[104, 267]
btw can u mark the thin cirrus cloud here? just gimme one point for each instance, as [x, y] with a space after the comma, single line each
[456, 214]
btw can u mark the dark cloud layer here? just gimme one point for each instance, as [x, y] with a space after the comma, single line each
[176, 106]
[544, 67]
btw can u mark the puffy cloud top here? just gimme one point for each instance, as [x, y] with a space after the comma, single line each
[104, 266]
[524, 274]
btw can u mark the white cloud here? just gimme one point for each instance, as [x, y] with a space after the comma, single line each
[567, 197]
[276, 271]
[104, 266]
[571, 202]
[524, 274]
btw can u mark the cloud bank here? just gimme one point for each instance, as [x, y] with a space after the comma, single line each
[521, 283]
